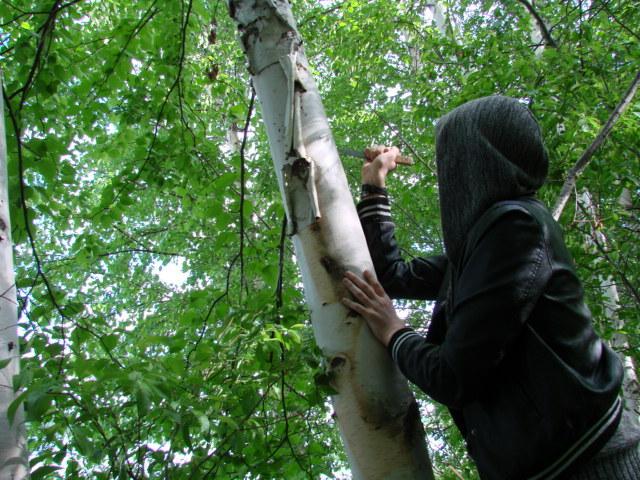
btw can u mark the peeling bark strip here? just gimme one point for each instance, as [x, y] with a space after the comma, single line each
[375, 410]
[14, 460]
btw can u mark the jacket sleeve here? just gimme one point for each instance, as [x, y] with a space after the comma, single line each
[501, 278]
[419, 278]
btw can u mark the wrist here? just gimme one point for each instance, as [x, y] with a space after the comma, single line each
[368, 190]
[397, 336]
[394, 332]
[377, 178]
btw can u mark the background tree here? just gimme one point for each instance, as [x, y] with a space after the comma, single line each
[163, 328]
[14, 458]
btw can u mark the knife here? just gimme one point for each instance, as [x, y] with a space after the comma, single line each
[401, 160]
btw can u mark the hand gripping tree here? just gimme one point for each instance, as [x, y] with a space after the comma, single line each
[376, 412]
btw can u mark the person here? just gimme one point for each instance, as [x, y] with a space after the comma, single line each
[510, 349]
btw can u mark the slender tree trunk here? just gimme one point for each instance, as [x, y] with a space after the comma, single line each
[377, 414]
[620, 341]
[13, 451]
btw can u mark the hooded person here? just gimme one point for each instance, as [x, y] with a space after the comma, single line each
[510, 348]
[481, 162]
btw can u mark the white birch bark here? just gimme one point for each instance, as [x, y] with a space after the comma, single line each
[14, 463]
[630, 386]
[436, 13]
[540, 36]
[375, 410]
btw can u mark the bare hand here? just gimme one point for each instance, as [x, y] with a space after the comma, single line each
[380, 160]
[373, 304]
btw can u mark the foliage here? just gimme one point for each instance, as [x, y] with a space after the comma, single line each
[157, 341]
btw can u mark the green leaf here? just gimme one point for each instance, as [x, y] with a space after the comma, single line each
[110, 341]
[14, 405]
[4, 362]
[205, 425]
[237, 112]
[43, 471]
[142, 399]
[23, 378]
[47, 167]
[83, 441]
[37, 403]
[73, 308]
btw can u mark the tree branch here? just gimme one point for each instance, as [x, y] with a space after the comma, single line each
[45, 32]
[205, 322]
[583, 161]
[285, 413]
[242, 184]
[156, 128]
[146, 18]
[615, 19]
[279, 283]
[544, 31]
[27, 226]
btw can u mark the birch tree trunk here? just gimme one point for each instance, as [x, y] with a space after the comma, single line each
[14, 462]
[376, 412]
[620, 341]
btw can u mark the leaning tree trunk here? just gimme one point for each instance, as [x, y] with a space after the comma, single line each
[13, 451]
[375, 410]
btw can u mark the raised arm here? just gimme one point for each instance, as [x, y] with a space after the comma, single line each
[419, 278]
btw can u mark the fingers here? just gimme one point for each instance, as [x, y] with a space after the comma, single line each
[373, 282]
[368, 291]
[355, 306]
[370, 153]
[374, 151]
[361, 286]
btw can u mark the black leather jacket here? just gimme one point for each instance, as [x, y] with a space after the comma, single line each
[510, 348]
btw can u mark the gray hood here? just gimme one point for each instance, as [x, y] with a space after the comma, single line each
[487, 150]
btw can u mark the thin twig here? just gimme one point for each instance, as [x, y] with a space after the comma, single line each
[45, 32]
[27, 225]
[279, 283]
[398, 133]
[286, 415]
[243, 186]
[156, 128]
[615, 19]
[144, 20]
[205, 322]
[221, 455]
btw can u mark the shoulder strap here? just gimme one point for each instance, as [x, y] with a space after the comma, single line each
[494, 212]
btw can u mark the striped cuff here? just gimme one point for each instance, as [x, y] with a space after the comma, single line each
[368, 189]
[374, 208]
[398, 338]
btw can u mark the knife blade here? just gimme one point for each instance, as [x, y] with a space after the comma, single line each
[350, 152]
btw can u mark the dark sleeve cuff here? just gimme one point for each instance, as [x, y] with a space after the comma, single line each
[375, 207]
[369, 189]
[397, 339]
